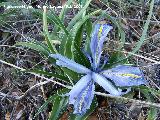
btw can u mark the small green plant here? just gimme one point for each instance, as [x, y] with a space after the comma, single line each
[82, 93]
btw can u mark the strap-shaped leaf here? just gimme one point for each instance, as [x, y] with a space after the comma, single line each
[42, 44]
[66, 43]
[64, 10]
[82, 2]
[59, 104]
[56, 75]
[116, 55]
[53, 19]
[44, 105]
[145, 28]
[150, 94]
[66, 47]
[39, 48]
[82, 21]
[66, 39]
[88, 28]
[52, 99]
[78, 16]
[152, 113]
[46, 33]
[80, 57]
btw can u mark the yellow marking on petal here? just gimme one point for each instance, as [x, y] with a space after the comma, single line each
[100, 31]
[130, 75]
[99, 35]
[81, 102]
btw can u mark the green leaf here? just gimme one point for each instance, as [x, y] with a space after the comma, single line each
[53, 19]
[79, 36]
[82, 2]
[88, 28]
[64, 10]
[67, 75]
[43, 44]
[49, 74]
[80, 57]
[46, 33]
[144, 33]
[147, 90]
[66, 39]
[114, 58]
[78, 25]
[72, 76]
[66, 47]
[78, 16]
[149, 93]
[59, 104]
[51, 99]
[152, 114]
[34, 46]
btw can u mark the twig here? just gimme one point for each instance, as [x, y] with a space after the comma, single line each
[4, 62]
[139, 20]
[9, 96]
[33, 87]
[24, 70]
[26, 93]
[130, 100]
[140, 56]
[149, 59]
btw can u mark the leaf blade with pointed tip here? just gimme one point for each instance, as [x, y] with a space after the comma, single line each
[34, 46]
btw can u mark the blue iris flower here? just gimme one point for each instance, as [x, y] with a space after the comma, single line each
[82, 93]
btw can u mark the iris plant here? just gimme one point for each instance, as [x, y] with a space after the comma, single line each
[82, 93]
